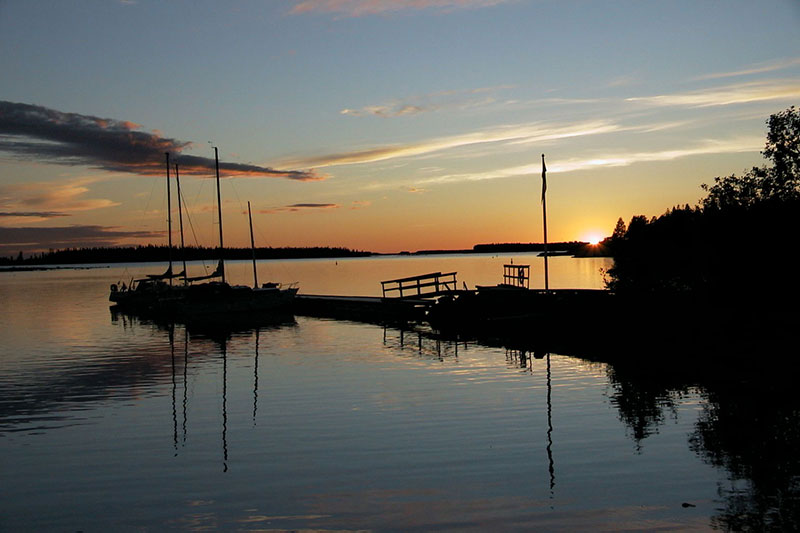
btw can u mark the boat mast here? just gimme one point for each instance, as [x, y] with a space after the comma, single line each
[219, 212]
[169, 223]
[252, 246]
[180, 220]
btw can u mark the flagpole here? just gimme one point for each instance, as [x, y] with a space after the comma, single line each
[544, 216]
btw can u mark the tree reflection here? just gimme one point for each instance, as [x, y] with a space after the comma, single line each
[644, 398]
[749, 427]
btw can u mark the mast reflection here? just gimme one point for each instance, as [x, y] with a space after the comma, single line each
[255, 379]
[174, 390]
[224, 349]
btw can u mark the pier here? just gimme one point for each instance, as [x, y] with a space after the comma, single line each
[404, 300]
[434, 299]
[363, 308]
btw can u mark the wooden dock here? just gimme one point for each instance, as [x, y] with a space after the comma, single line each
[362, 308]
[403, 300]
[434, 298]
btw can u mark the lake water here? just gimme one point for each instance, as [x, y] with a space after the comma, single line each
[109, 423]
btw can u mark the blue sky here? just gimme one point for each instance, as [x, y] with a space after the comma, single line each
[418, 124]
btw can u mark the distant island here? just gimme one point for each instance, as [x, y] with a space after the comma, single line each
[572, 248]
[161, 253]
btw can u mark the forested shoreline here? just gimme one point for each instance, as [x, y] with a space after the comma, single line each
[735, 247]
[162, 253]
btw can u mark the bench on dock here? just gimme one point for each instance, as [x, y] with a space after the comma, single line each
[426, 285]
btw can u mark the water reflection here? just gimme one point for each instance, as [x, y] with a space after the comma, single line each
[645, 400]
[551, 464]
[46, 397]
[424, 344]
[750, 427]
[746, 425]
[224, 350]
[220, 334]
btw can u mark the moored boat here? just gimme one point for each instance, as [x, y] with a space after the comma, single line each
[153, 296]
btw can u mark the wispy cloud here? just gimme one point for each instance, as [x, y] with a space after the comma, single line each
[34, 214]
[13, 218]
[732, 94]
[455, 99]
[516, 134]
[293, 208]
[394, 109]
[623, 159]
[758, 68]
[31, 132]
[13, 240]
[309, 207]
[359, 204]
[359, 8]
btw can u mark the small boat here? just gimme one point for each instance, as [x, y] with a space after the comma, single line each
[207, 300]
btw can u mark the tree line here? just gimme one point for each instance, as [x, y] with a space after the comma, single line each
[162, 253]
[736, 245]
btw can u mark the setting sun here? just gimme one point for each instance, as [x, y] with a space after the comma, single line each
[593, 238]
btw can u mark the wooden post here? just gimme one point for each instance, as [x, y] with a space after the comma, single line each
[544, 216]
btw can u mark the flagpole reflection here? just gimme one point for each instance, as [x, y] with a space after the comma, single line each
[551, 465]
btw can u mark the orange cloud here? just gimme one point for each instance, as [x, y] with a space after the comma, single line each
[48, 199]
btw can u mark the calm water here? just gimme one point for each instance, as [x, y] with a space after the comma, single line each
[109, 423]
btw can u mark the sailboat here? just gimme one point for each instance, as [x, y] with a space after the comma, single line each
[144, 292]
[212, 299]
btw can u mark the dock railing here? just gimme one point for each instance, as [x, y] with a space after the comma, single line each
[517, 275]
[425, 285]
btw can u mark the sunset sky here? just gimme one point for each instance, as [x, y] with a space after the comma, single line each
[380, 125]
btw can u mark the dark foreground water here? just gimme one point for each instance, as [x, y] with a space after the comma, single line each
[114, 424]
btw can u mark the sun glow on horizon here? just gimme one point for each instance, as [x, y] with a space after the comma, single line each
[593, 238]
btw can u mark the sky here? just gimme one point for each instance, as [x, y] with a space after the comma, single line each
[380, 125]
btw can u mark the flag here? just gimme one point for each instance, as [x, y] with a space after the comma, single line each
[544, 178]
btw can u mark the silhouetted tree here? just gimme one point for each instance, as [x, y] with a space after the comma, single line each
[778, 183]
[711, 252]
[783, 149]
[619, 230]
